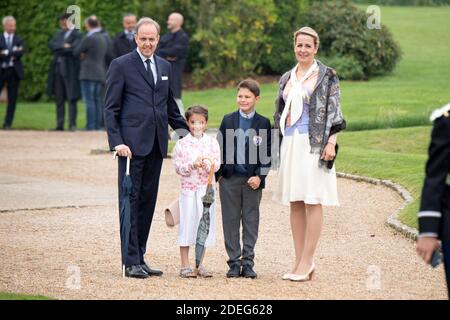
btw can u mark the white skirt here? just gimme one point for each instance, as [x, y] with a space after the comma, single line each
[191, 210]
[299, 175]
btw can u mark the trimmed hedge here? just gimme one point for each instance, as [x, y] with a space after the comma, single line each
[37, 20]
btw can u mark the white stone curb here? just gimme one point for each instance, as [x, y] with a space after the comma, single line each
[392, 220]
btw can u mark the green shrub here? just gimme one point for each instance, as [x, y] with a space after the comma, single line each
[37, 20]
[343, 32]
[347, 67]
[233, 39]
[290, 14]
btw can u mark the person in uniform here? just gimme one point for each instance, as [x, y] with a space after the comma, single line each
[434, 215]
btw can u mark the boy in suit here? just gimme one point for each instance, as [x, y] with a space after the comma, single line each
[245, 140]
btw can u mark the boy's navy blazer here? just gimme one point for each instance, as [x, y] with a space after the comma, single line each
[136, 110]
[262, 166]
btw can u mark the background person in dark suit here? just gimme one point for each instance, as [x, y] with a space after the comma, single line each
[124, 42]
[174, 47]
[434, 215]
[64, 71]
[92, 51]
[139, 106]
[11, 69]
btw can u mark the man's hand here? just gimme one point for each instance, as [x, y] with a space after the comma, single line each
[254, 182]
[66, 45]
[425, 247]
[123, 151]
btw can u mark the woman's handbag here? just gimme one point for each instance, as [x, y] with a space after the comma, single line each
[330, 163]
[172, 213]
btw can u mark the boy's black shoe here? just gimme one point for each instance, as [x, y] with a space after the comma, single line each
[234, 271]
[247, 272]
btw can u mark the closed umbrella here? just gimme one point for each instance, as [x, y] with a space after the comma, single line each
[125, 215]
[203, 227]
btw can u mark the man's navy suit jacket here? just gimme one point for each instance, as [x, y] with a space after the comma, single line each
[137, 112]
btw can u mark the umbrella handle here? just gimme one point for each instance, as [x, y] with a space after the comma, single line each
[211, 171]
[127, 172]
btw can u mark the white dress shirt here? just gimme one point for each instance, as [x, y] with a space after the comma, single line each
[152, 64]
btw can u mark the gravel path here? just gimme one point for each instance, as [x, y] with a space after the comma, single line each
[59, 235]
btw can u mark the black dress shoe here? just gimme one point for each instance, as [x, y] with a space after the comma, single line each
[234, 271]
[151, 272]
[136, 272]
[247, 272]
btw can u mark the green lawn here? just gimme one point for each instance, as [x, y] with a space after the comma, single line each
[13, 296]
[398, 155]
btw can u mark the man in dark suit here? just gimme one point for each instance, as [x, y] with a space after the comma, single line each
[139, 106]
[434, 215]
[63, 74]
[11, 69]
[174, 48]
[124, 42]
[92, 50]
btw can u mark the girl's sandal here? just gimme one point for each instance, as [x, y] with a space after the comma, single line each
[187, 273]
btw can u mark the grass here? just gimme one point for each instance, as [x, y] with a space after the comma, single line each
[394, 154]
[14, 296]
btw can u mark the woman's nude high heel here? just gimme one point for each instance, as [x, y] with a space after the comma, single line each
[287, 276]
[304, 277]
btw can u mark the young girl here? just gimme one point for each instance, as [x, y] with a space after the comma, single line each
[189, 159]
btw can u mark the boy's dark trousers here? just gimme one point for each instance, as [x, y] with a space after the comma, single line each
[239, 203]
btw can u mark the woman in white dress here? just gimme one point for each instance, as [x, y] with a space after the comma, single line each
[308, 115]
[188, 157]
